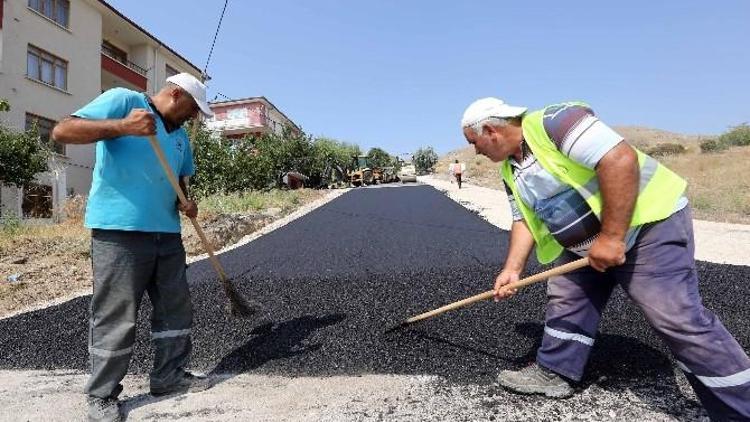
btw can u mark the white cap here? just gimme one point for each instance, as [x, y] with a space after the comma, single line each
[195, 88]
[489, 107]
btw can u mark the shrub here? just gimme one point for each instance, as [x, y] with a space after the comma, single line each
[74, 209]
[668, 148]
[736, 136]
[712, 145]
[11, 226]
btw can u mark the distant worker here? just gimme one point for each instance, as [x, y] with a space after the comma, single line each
[136, 246]
[457, 170]
[577, 188]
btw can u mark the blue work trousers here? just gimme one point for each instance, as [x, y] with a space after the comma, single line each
[660, 277]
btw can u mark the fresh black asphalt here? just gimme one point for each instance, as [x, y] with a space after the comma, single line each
[333, 280]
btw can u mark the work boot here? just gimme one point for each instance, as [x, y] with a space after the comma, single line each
[189, 383]
[535, 379]
[105, 409]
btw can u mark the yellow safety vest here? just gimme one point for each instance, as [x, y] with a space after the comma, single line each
[660, 188]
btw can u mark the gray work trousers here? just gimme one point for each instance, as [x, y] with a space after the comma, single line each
[125, 265]
[659, 275]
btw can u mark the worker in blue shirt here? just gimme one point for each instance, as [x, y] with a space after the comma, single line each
[136, 246]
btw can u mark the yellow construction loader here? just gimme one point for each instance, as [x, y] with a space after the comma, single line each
[360, 173]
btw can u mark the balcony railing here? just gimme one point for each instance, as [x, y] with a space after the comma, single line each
[233, 124]
[130, 65]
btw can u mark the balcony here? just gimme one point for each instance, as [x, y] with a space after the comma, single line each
[236, 127]
[124, 70]
[239, 119]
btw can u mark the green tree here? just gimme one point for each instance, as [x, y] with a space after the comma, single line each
[22, 154]
[258, 161]
[330, 159]
[425, 159]
[213, 163]
[379, 158]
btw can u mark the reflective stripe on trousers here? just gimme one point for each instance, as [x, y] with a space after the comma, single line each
[125, 266]
[660, 277]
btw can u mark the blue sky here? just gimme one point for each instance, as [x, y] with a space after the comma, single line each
[398, 74]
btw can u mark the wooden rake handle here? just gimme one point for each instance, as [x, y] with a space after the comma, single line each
[562, 269]
[183, 200]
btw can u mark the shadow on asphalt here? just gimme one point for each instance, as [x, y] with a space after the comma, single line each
[274, 342]
[271, 342]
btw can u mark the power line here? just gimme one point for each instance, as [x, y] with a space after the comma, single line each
[205, 69]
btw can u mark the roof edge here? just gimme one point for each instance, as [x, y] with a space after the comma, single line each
[140, 28]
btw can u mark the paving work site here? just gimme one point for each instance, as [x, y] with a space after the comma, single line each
[331, 283]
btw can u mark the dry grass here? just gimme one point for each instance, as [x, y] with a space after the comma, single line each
[253, 201]
[643, 137]
[53, 260]
[719, 183]
[479, 169]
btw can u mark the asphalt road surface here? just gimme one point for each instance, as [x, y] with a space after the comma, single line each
[333, 280]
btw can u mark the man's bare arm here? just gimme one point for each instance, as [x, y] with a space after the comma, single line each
[618, 175]
[184, 182]
[191, 209]
[74, 130]
[521, 244]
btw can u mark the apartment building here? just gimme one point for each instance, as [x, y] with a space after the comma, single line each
[247, 116]
[57, 55]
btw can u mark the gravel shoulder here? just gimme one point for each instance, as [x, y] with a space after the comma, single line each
[249, 397]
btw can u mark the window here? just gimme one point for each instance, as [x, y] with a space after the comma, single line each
[44, 126]
[57, 10]
[171, 71]
[114, 52]
[44, 67]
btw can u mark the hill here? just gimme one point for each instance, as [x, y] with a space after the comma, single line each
[645, 138]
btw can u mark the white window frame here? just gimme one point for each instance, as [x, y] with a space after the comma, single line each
[51, 9]
[54, 63]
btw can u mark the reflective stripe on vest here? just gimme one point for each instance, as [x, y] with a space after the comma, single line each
[658, 193]
[648, 167]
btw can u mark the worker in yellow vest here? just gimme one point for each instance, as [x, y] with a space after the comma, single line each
[576, 188]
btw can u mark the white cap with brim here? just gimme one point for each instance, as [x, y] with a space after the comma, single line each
[484, 108]
[195, 88]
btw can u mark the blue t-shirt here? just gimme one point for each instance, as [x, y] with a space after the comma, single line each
[130, 190]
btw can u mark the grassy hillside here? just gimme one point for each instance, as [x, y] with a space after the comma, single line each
[719, 183]
[644, 138]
